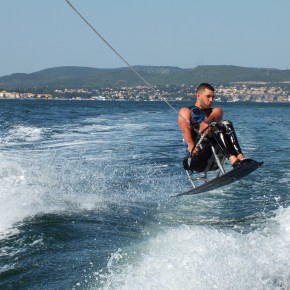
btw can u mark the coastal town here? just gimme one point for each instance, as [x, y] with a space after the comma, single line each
[235, 92]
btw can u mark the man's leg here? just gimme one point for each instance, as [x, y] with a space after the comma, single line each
[227, 139]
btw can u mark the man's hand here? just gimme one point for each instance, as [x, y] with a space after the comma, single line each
[194, 152]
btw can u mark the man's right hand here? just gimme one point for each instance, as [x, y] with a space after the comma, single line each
[194, 152]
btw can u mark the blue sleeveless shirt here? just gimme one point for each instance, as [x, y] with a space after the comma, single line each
[197, 116]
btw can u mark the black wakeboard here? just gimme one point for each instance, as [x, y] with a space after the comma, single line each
[231, 176]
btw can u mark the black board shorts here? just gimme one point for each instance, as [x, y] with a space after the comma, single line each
[198, 162]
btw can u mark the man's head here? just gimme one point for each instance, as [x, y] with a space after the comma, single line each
[204, 96]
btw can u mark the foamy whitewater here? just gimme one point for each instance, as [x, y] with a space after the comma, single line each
[85, 191]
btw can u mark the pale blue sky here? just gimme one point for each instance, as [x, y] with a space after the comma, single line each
[39, 34]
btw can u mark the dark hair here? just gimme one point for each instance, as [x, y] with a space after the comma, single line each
[204, 86]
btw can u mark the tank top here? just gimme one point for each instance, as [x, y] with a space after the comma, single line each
[197, 116]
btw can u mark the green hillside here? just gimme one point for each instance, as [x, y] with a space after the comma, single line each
[86, 77]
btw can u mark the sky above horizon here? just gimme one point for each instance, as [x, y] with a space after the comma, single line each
[39, 34]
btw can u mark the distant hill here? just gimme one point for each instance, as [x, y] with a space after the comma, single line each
[87, 77]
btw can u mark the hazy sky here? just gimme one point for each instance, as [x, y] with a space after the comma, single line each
[39, 34]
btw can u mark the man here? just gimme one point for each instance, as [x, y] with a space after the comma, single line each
[195, 119]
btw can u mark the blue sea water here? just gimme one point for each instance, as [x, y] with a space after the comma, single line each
[85, 191]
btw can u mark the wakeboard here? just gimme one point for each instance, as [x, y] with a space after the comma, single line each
[231, 176]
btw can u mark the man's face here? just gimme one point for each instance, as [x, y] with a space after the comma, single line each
[205, 98]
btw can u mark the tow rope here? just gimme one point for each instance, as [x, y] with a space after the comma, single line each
[123, 59]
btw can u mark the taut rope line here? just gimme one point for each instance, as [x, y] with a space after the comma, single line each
[120, 56]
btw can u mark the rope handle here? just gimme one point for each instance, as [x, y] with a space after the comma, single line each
[201, 136]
